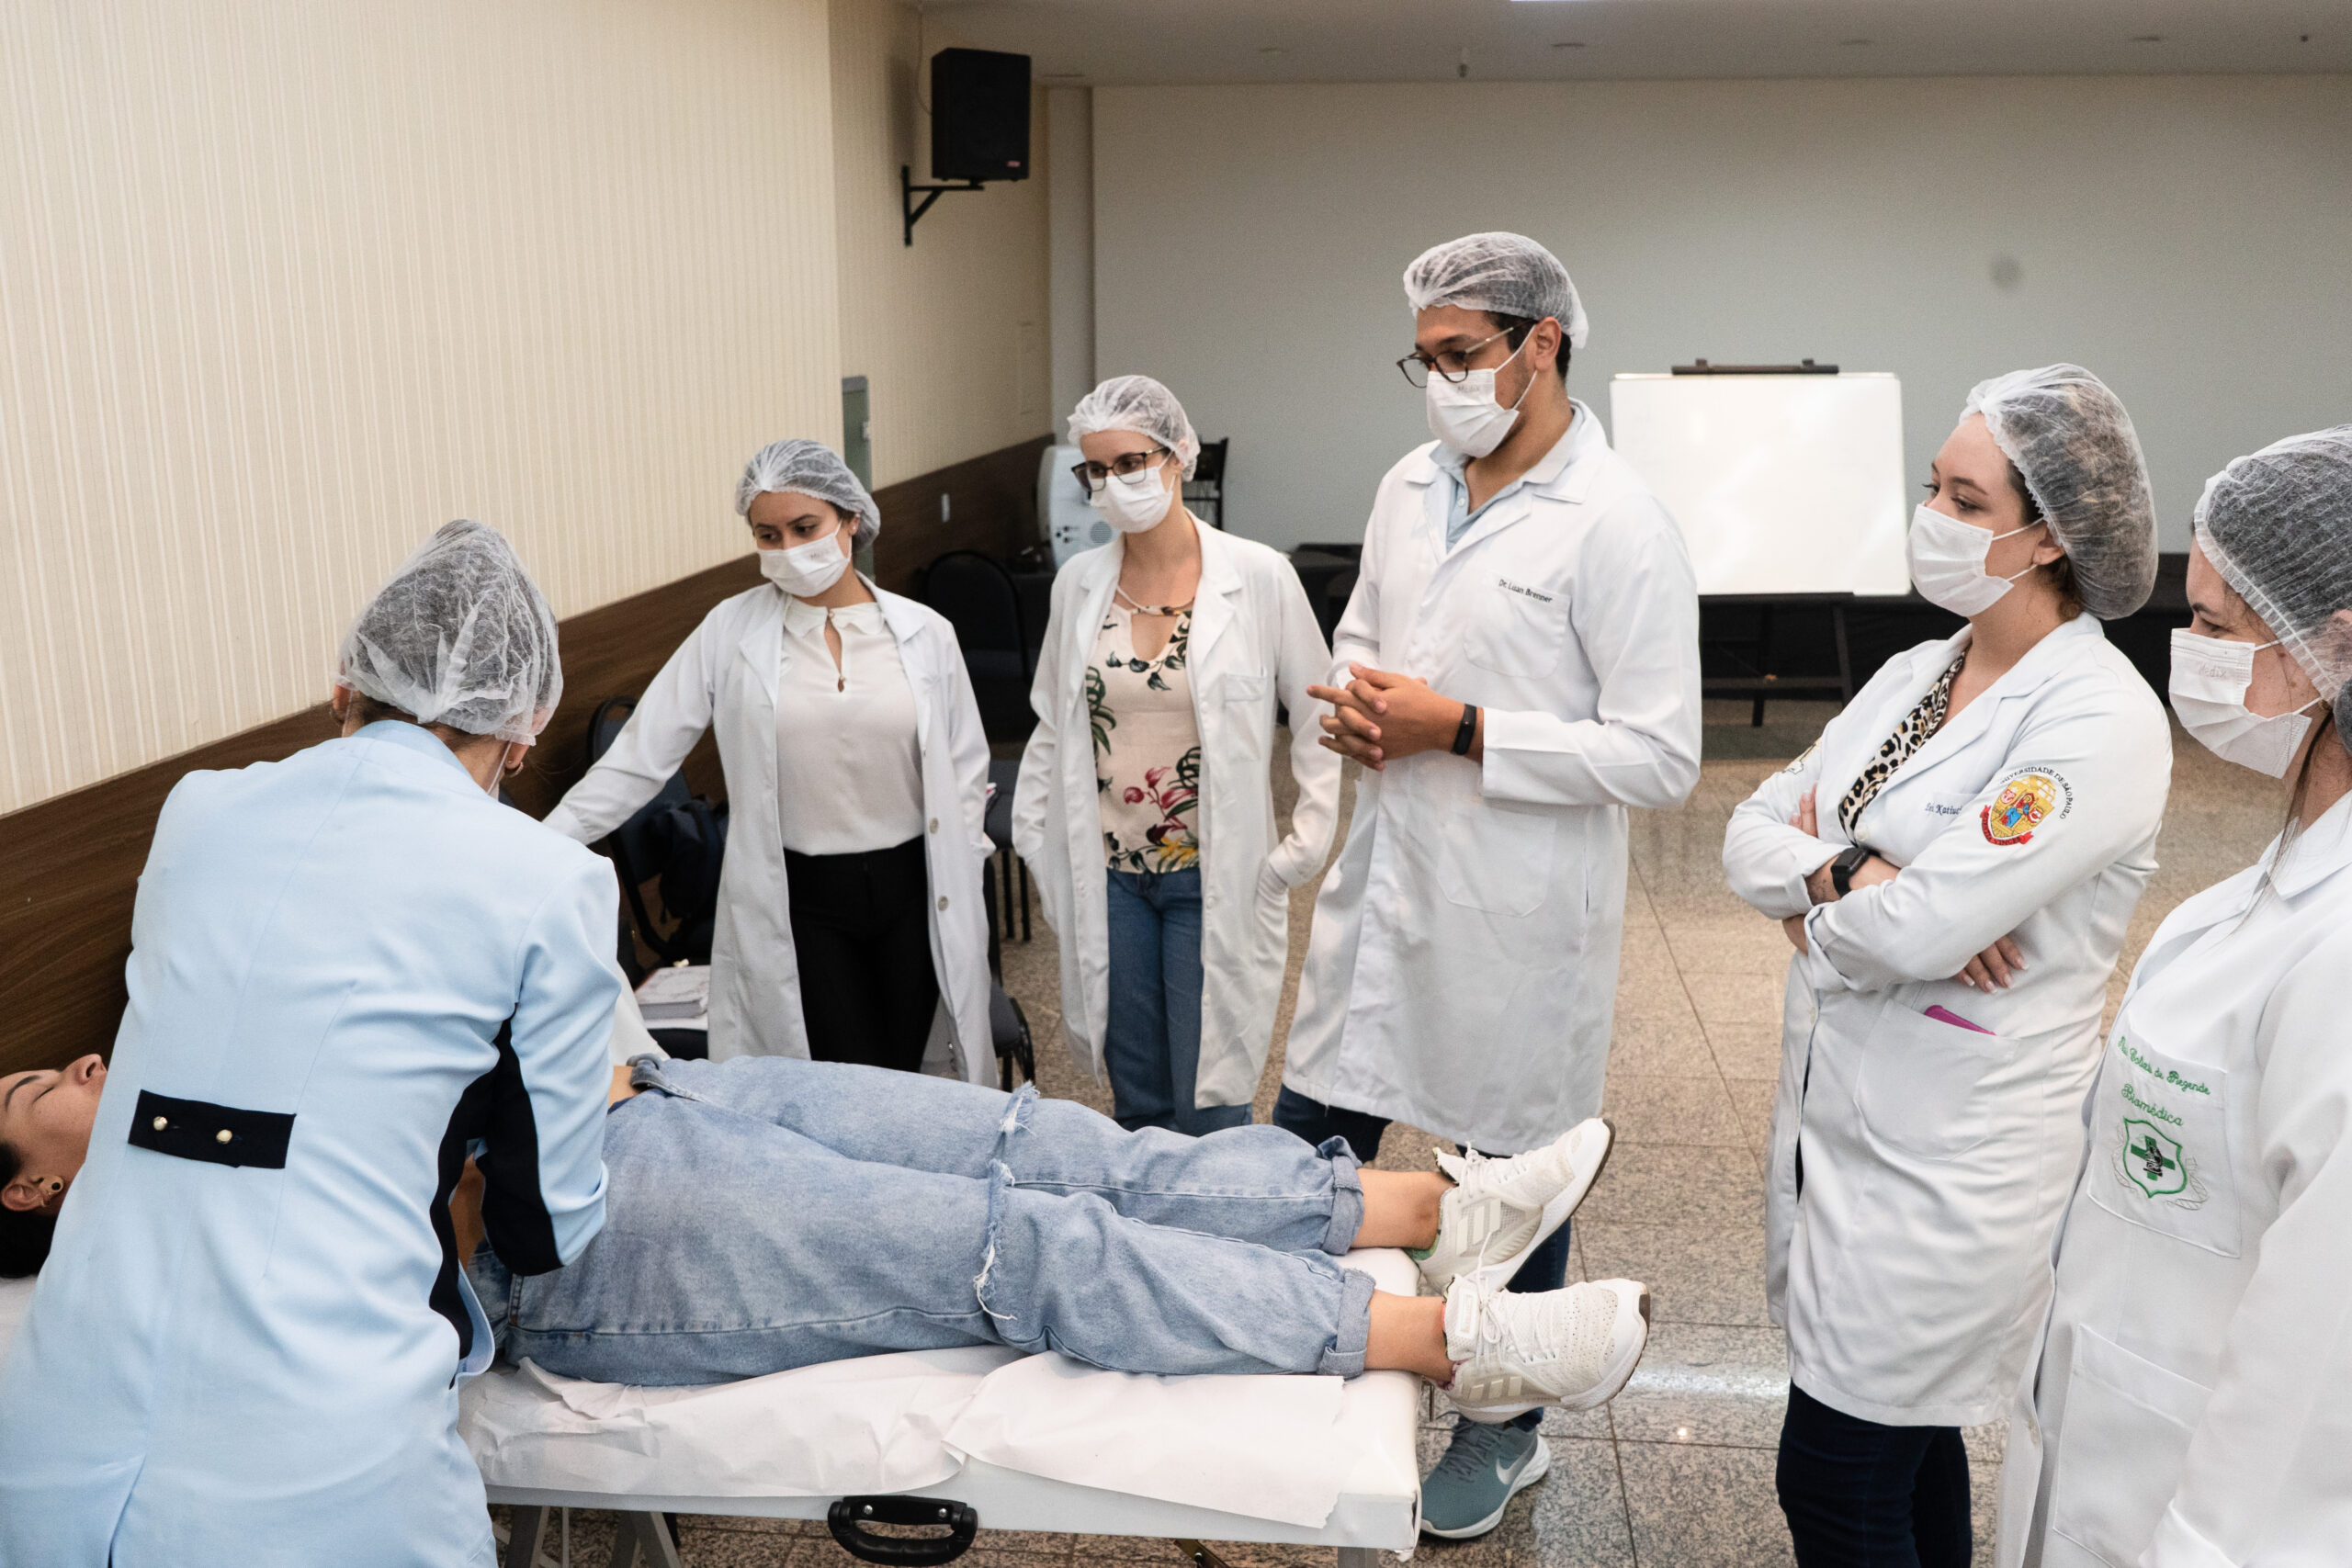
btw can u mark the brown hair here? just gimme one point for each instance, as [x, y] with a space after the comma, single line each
[1515, 330]
[2061, 571]
[367, 710]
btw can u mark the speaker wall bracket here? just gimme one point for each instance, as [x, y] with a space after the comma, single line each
[909, 190]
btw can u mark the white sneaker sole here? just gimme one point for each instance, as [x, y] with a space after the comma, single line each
[1555, 1213]
[1612, 1379]
[1534, 1472]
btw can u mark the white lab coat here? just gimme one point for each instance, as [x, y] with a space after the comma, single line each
[1254, 642]
[2193, 1407]
[724, 675]
[254, 1364]
[1463, 969]
[1912, 1270]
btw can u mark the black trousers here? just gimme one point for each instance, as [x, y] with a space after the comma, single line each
[861, 927]
[1860, 1494]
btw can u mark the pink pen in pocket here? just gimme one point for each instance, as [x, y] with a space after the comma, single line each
[1942, 1015]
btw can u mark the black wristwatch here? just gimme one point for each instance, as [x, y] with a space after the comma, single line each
[1469, 730]
[1841, 870]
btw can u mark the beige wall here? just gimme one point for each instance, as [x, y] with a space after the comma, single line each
[284, 285]
[2189, 238]
[951, 333]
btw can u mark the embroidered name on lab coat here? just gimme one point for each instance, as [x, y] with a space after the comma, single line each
[1508, 586]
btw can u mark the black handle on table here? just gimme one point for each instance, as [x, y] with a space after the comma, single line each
[848, 1517]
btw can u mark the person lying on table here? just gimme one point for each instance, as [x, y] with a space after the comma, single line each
[794, 1211]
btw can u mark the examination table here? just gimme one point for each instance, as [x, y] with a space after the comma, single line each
[963, 1439]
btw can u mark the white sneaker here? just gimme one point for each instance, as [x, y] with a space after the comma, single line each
[1574, 1349]
[1501, 1209]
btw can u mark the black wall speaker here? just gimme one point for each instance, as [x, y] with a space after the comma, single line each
[980, 115]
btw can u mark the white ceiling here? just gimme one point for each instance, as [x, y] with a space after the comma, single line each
[1121, 42]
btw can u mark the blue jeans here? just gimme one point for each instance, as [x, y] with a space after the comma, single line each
[1860, 1494]
[768, 1212]
[1152, 1041]
[1546, 1268]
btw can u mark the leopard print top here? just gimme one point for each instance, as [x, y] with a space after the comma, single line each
[1917, 725]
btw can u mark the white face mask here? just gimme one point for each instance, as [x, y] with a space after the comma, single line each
[1136, 503]
[1947, 559]
[1465, 415]
[2210, 678]
[806, 570]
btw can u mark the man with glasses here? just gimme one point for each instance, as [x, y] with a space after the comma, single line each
[1518, 665]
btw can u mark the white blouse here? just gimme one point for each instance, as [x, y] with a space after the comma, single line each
[848, 772]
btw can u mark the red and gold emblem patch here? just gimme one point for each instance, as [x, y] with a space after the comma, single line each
[2028, 799]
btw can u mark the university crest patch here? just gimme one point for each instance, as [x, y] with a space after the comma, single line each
[2029, 798]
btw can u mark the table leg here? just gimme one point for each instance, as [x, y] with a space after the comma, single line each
[643, 1537]
[526, 1530]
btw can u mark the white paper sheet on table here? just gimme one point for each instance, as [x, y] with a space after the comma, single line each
[876, 1424]
[1271, 1448]
[1268, 1446]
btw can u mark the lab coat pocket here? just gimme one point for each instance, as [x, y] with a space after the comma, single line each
[1497, 860]
[1242, 689]
[1516, 630]
[1925, 1087]
[2160, 1151]
[2121, 1448]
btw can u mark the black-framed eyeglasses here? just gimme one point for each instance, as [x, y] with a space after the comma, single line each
[1093, 476]
[1451, 363]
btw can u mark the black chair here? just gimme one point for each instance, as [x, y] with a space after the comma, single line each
[1016, 1054]
[1003, 774]
[1205, 492]
[980, 601]
[676, 841]
[1328, 572]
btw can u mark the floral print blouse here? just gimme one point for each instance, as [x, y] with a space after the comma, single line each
[1147, 747]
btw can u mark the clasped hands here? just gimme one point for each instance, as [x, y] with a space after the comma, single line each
[1379, 716]
[1988, 970]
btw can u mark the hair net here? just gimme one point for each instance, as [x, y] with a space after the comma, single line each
[460, 636]
[2278, 526]
[1140, 404]
[1510, 275]
[2072, 442]
[810, 468]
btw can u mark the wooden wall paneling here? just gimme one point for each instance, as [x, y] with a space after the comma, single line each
[993, 508]
[69, 866]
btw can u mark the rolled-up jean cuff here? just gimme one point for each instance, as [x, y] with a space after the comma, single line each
[1344, 1356]
[1347, 1197]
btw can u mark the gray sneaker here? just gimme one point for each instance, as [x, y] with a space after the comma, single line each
[1485, 1467]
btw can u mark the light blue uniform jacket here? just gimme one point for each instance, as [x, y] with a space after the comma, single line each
[242, 1365]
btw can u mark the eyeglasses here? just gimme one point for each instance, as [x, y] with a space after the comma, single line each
[1091, 475]
[1454, 364]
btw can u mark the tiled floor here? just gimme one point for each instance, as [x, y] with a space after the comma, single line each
[1678, 1472]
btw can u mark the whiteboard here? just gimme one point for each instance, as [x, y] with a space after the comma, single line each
[1783, 484]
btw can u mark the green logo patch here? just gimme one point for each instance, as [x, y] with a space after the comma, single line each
[2151, 1160]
